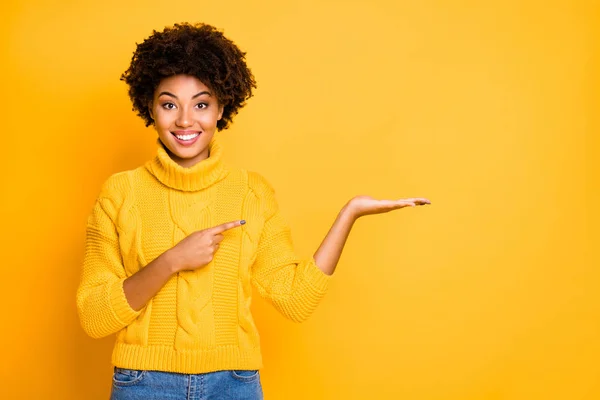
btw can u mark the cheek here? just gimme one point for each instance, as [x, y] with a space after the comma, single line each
[209, 119]
[162, 121]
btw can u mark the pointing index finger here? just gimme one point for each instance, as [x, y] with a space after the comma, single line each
[227, 226]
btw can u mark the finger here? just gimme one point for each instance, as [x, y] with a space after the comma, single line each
[218, 238]
[390, 205]
[405, 203]
[418, 200]
[226, 226]
[399, 203]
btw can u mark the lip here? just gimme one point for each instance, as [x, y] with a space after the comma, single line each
[186, 142]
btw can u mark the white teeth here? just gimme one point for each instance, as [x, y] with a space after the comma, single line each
[187, 137]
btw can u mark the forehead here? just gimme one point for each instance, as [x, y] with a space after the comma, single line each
[182, 84]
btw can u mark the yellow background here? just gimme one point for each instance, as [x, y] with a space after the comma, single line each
[488, 108]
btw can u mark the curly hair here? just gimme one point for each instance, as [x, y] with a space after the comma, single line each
[199, 50]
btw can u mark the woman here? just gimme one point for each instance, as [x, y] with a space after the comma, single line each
[174, 246]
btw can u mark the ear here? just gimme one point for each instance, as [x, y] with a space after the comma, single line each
[220, 112]
[150, 110]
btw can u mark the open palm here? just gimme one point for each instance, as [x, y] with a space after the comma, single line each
[366, 205]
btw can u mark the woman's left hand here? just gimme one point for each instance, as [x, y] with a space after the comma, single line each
[328, 254]
[365, 205]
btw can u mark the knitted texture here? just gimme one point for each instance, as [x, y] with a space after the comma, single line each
[200, 321]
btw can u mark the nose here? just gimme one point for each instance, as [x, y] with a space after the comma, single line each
[184, 119]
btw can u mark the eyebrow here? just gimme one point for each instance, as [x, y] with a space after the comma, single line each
[193, 97]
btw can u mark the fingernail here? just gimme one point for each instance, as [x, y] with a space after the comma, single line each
[242, 222]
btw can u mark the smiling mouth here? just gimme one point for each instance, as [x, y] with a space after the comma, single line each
[186, 137]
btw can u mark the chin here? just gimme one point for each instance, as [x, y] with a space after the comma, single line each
[188, 153]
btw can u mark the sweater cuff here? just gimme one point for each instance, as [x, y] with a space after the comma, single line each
[318, 279]
[121, 308]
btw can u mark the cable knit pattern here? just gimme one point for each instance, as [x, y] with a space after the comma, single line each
[200, 320]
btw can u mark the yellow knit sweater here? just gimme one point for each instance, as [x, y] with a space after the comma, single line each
[200, 320]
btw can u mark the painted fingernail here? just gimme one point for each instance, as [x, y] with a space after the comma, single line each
[242, 222]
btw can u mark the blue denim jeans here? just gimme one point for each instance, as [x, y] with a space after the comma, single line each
[130, 384]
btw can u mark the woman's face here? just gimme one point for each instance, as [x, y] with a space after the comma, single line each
[185, 114]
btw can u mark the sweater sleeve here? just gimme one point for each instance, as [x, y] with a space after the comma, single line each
[295, 286]
[101, 303]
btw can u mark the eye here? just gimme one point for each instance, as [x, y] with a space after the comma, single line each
[201, 105]
[168, 106]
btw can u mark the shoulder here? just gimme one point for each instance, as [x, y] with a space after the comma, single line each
[115, 189]
[258, 184]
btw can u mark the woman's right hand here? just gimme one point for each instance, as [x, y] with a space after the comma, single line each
[198, 249]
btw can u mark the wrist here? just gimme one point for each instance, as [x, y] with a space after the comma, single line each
[171, 261]
[349, 213]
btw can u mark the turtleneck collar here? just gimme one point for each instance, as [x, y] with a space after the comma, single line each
[200, 176]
